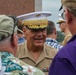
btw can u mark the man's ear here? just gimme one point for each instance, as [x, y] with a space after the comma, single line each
[14, 43]
[15, 40]
[24, 29]
[68, 16]
[55, 31]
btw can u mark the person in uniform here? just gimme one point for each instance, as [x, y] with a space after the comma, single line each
[64, 28]
[34, 51]
[9, 64]
[64, 62]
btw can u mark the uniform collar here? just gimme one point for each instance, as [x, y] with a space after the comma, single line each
[44, 54]
[26, 52]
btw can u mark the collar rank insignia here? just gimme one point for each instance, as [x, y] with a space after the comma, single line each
[45, 69]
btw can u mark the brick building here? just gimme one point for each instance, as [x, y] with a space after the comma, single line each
[18, 7]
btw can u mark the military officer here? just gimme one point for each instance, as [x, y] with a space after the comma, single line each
[64, 28]
[34, 51]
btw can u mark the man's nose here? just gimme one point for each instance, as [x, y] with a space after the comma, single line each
[39, 32]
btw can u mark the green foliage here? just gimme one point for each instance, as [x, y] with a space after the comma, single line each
[60, 36]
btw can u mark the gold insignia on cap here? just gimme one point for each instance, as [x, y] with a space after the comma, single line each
[38, 15]
[36, 24]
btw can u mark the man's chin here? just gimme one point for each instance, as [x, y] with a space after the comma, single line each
[39, 44]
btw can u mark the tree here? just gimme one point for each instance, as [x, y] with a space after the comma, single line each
[60, 36]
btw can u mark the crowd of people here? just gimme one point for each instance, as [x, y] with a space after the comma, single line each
[28, 44]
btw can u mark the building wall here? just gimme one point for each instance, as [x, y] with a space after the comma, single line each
[16, 7]
[38, 5]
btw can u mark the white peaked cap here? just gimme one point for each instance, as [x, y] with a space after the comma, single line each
[33, 15]
[35, 20]
[60, 19]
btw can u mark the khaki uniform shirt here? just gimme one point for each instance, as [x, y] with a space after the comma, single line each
[44, 59]
[66, 39]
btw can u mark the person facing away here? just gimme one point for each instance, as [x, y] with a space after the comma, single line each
[20, 32]
[64, 62]
[52, 36]
[64, 28]
[9, 64]
[34, 51]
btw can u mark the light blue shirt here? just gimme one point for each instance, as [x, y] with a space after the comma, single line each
[53, 43]
[21, 40]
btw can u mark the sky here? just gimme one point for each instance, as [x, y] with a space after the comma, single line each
[53, 7]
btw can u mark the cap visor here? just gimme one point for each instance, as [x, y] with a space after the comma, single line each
[60, 22]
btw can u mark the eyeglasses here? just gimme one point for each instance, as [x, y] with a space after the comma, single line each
[62, 15]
